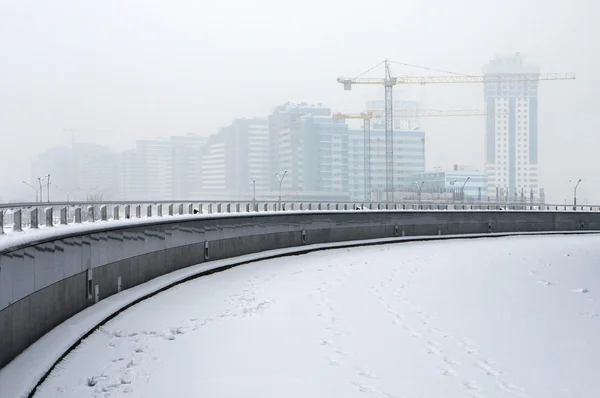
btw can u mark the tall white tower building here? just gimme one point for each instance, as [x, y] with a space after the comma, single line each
[511, 130]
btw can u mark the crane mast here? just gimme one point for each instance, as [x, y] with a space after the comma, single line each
[389, 134]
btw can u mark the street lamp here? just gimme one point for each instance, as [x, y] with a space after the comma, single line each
[462, 189]
[32, 187]
[67, 193]
[419, 187]
[453, 183]
[41, 192]
[48, 186]
[280, 178]
[575, 193]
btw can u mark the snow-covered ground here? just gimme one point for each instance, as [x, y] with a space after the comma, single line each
[514, 316]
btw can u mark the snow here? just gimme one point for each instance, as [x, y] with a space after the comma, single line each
[422, 319]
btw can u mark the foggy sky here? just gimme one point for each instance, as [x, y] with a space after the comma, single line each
[121, 70]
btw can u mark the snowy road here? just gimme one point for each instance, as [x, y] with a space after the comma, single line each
[503, 317]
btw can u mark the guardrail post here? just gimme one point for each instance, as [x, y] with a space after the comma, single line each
[228, 207]
[200, 208]
[247, 207]
[34, 218]
[210, 208]
[103, 213]
[171, 209]
[138, 211]
[49, 212]
[63, 216]
[292, 207]
[345, 206]
[310, 206]
[1, 222]
[78, 215]
[91, 214]
[149, 211]
[18, 221]
[266, 207]
[191, 208]
[180, 212]
[237, 208]
[219, 208]
[127, 212]
[159, 210]
[301, 206]
[116, 213]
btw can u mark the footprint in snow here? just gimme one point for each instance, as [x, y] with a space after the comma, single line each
[581, 290]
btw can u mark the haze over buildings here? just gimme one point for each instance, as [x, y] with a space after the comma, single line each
[156, 71]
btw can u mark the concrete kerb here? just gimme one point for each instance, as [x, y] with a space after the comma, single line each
[160, 284]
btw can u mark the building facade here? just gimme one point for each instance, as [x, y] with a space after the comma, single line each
[162, 169]
[282, 139]
[236, 163]
[459, 184]
[511, 150]
[323, 165]
[409, 158]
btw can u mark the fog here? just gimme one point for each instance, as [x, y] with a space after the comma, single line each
[112, 72]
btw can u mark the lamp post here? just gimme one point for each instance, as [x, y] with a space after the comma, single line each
[462, 189]
[67, 193]
[419, 187]
[48, 187]
[40, 179]
[453, 183]
[34, 188]
[280, 178]
[253, 195]
[575, 193]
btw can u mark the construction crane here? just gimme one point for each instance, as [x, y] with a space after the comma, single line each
[390, 81]
[368, 115]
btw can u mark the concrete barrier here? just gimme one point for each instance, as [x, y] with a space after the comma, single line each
[45, 282]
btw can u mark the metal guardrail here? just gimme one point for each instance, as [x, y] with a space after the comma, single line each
[15, 217]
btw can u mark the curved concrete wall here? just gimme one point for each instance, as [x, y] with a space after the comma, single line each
[44, 283]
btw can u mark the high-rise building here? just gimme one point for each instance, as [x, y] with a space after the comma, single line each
[511, 149]
[156, 160]
[322, 165]
[162, 169]
[132, 180]
[187, 153]
[409, 158]
[236, 156]
[280, 124]
[214, 171]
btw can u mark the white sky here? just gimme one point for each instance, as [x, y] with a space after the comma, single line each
[117, 70]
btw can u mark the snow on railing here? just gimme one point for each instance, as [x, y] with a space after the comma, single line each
[31, 216]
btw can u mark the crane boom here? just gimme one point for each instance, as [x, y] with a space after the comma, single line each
[411, 113]
[507, 78]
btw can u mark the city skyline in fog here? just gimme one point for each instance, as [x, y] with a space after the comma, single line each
[112, 73]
